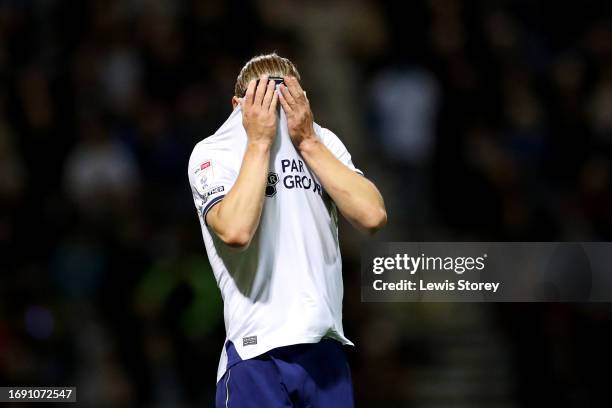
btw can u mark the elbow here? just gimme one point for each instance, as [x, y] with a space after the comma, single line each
[236, 239]
[374, 220]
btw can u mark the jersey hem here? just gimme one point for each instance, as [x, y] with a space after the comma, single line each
[266, 348]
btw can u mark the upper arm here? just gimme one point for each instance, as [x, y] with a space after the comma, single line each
[337, 148]
[211, 215]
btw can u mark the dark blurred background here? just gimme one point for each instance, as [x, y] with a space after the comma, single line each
[478, 120]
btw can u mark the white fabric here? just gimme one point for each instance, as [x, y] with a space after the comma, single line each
[286, 288]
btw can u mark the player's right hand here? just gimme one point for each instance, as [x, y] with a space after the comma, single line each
[259, 116]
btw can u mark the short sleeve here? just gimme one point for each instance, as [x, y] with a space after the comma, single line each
[335, 145]
[210, 177]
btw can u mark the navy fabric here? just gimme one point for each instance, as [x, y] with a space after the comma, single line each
[301, 376]
[232, 355]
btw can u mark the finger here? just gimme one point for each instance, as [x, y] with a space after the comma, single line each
[284, 103]
[269, 94]
[287, 95]
[274, 102]
[294, 87]
[294, 81]
[261, 90]
[248, 96]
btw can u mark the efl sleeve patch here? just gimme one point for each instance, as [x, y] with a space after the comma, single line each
[204, 176]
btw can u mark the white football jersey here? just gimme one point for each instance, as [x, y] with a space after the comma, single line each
[286, 287]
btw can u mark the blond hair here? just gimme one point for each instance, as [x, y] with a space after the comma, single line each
[270, 64]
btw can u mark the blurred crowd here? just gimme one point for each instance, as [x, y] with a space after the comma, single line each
[479, 120]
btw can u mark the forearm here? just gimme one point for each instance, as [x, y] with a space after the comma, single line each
[236, 218]
[356, 197]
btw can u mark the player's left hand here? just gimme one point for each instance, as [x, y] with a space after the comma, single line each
[297, 108]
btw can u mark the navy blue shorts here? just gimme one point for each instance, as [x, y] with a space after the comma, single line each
[304, 376]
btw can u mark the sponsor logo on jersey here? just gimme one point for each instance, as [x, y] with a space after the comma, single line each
[272, 182]
[215, 190]
[294, 175]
